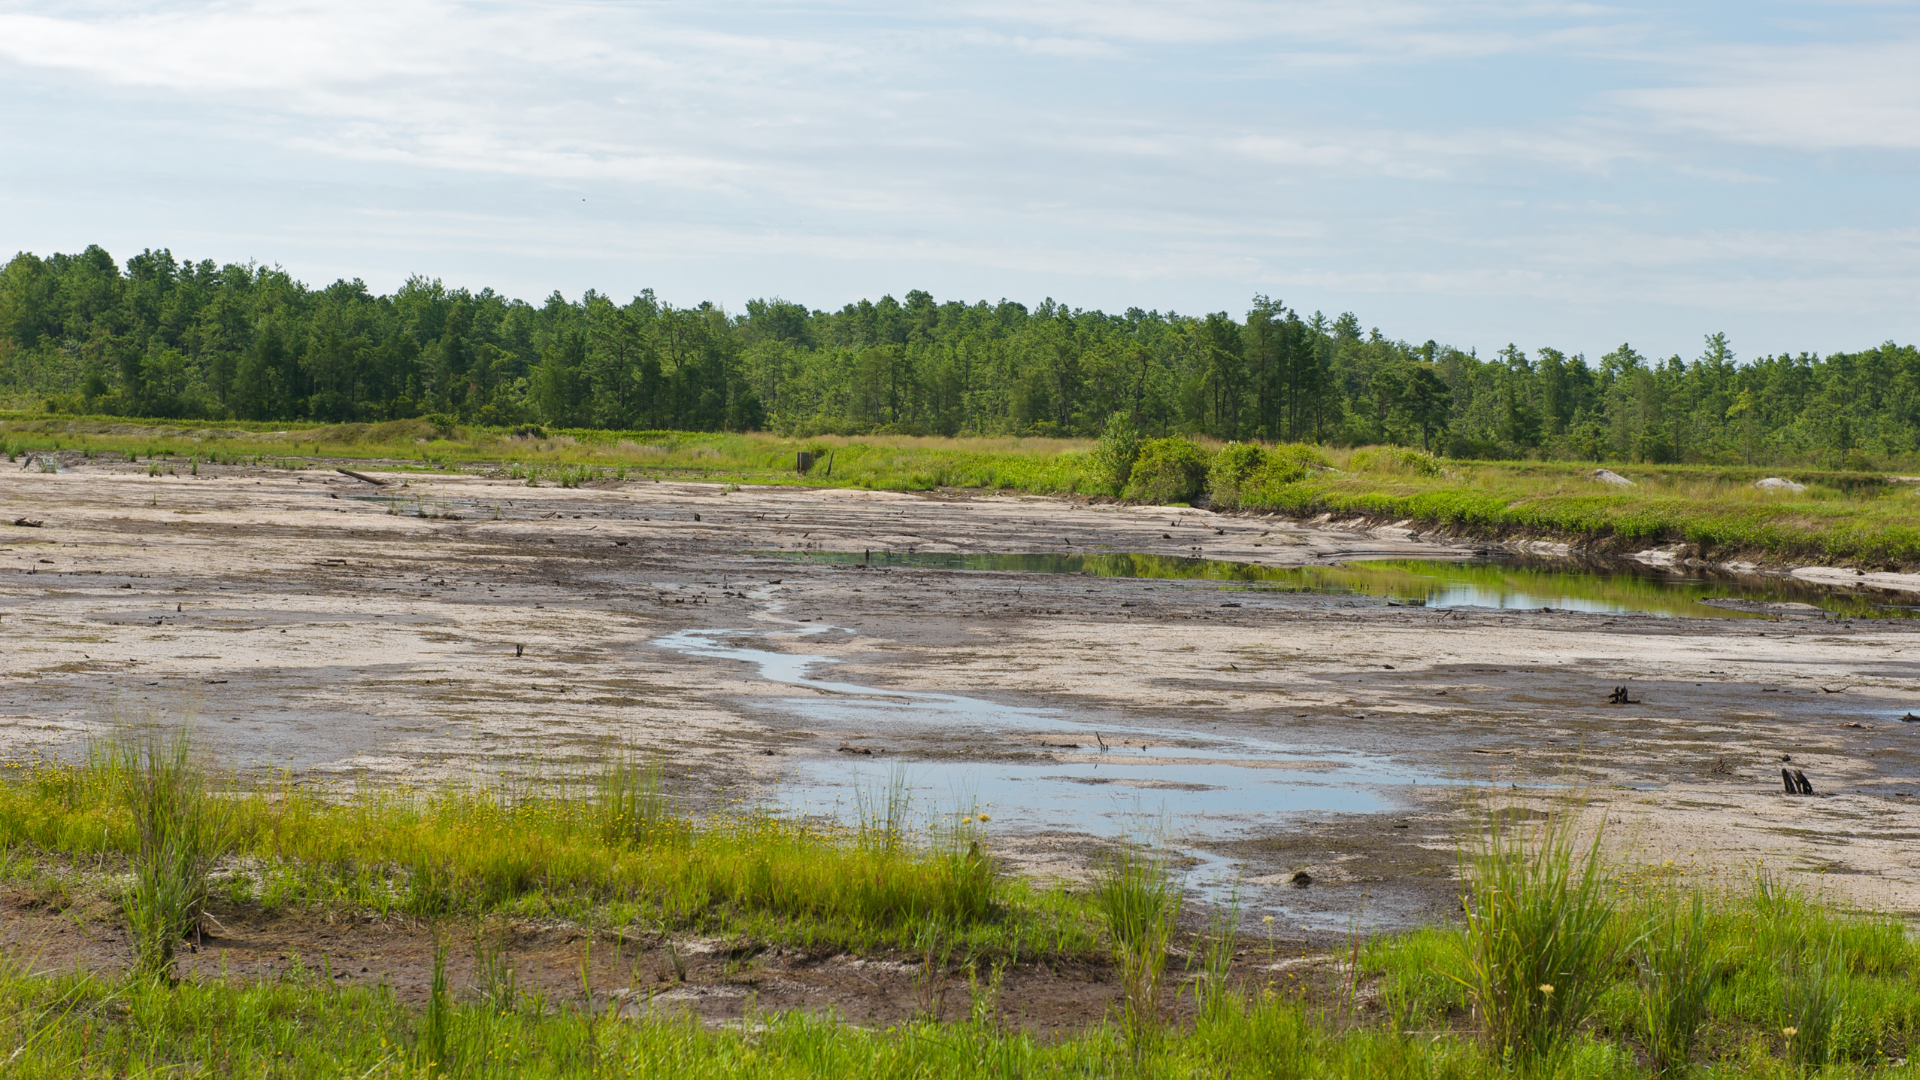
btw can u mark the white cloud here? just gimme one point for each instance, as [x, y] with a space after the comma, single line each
[1821, 97]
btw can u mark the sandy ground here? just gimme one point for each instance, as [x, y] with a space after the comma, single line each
[321, 624]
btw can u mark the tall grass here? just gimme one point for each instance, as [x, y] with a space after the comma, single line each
[1765, 983]
[1541, 943]
[628, 802]
[614, 845]
[180, 829]
[1812, 1005]
[1212, 988]
[1676, 962]
[1138, 897]
[299, 1027]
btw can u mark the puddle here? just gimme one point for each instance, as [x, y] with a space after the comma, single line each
[1206, 786]
[1097, 797]
[1510, 584]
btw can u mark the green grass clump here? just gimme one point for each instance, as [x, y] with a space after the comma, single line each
[1540, 940]
[1395, 460]
[1763, 983]
[1677, 964]
[1138, 896]
[613, 843]
[179, 831]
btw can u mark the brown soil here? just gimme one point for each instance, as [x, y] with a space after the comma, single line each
[712, 979]
[311, 629]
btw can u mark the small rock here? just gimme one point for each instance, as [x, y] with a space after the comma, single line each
[1778, 483]
[1608, 476]
[1301, 879]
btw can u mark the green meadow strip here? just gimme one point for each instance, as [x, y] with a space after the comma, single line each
[613, 851]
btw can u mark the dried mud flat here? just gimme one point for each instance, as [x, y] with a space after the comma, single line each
[320, 624]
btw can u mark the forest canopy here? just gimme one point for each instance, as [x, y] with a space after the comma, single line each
[163, 338]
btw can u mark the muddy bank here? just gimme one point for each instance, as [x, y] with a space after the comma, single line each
[1674, 555]
[454, 627]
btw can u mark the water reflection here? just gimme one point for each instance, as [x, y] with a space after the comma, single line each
[1617, 589]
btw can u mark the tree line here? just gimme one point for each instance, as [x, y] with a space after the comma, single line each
[160, 337]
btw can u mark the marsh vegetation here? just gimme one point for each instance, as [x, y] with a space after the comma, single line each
[1564, 964]
[1714, 512]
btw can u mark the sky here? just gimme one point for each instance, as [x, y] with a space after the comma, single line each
[1476, 172]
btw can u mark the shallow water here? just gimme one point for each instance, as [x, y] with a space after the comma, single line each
[1201, 786]
[1510, 584]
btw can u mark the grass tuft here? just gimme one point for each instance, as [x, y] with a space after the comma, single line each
[1138, 896]
[1676, 962]
[180, 830]
[1540, 939]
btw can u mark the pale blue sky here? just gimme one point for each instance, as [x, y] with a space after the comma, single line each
[1546, 173]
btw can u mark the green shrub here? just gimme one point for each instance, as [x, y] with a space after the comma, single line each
[1395, 461]
[1168, 471]
[1112, 459]
[1231, 466]
[1288, 463]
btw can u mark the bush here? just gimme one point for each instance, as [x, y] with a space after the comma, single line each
[1231, 466]
[1112, 460]
[1168, 471]
[1395, 460]
[1287, 463]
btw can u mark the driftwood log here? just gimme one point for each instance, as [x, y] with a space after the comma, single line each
[362, 476]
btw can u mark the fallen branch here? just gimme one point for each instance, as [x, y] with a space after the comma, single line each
[362, 476]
